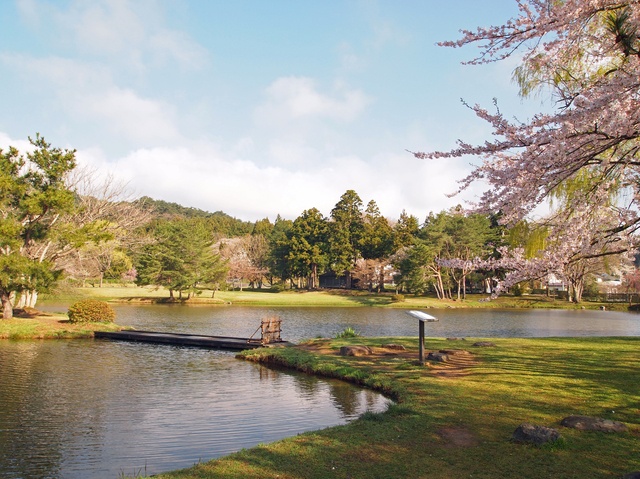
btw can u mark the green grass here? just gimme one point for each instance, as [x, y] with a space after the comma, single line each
[459, 426]
[50, 326]
[324, 298]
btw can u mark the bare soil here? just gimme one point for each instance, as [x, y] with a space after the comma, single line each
[460, 363]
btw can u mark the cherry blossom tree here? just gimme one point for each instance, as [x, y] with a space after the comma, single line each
[586, 53]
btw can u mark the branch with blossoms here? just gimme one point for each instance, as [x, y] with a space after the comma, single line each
[588, 53]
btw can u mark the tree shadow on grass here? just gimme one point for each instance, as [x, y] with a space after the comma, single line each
[363, 298]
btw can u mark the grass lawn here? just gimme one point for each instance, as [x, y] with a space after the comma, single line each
[327, 298]
[49, 326]
[455, 419]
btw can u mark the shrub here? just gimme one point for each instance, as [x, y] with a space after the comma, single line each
[348, 332]
[91, 311]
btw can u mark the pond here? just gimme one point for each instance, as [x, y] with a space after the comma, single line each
[84, 408]
[307, 323]
[100, 409]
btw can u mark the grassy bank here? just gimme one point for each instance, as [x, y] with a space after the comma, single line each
[455, 419]
[49, 326]
[326, 298]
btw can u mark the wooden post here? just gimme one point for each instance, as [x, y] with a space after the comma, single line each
[421, 335]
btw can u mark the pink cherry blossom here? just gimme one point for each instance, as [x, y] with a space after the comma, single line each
[587, 53]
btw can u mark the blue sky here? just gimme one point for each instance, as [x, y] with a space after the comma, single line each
[255, 108]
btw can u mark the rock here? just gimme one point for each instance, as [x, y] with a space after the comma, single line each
[632, 475]
[531, 434]
[355, 350]
[395, 347]
[440, 357]
[456, 339]
[586, 423]
[455, 352]
[484, 344]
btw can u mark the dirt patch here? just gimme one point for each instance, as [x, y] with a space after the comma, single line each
[457, 437]
[460, 362]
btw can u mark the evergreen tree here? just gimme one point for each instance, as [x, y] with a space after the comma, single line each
[308, 246]
[345, 234]
[181, 258]
[33, 195]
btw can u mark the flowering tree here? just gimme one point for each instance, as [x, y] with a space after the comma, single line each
[587, 153]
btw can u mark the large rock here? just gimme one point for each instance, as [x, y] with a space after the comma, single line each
[484, 344]
[632, 475]
[440, 357]
[531, 434]
[587, 423]
[355, 350]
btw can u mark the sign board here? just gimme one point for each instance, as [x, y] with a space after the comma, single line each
[422, 318]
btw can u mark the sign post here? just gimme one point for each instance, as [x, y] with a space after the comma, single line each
[422, 318]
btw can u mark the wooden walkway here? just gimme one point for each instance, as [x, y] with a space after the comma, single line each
[177, 339]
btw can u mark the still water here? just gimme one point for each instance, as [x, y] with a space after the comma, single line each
[306, 323]
[100, 409]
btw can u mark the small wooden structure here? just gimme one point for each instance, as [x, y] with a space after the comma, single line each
[422, 318]
[270, 329]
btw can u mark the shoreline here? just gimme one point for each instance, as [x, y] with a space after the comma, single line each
[451, 419]
[447, 422]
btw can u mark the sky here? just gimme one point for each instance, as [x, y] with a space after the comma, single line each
[254, 107]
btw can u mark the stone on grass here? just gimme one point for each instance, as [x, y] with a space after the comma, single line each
[587, 423]
[527, 433]
[484, 344]
[632, 475]
[455, 352]
[355, 350]
[440, 357]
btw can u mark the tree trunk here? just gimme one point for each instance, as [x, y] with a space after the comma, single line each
[578, 289]
[22, 302]
[7, 304]
[464, 286]
[28, 299]
[313, 283]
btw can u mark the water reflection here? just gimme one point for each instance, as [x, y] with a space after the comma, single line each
[78, 409]
[304, 323]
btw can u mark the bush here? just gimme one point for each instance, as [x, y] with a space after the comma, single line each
[348, 332]
[91, 311]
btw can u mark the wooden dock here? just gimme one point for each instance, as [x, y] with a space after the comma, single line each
[177, 339]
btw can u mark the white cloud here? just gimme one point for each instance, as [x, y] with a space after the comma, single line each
[297, 98]
[87, 93]
[129, 33]
[140, 119]
[22, 145]
[205, 177]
